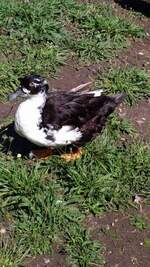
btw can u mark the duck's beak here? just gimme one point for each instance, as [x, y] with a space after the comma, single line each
[14, 95]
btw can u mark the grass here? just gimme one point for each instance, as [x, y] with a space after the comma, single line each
[110, 233]
[108, 175]
[44, 203]
[34, 202]
[99, 32]
[135, 82]
[147, 242]
[39, 37]
[139, 222]
[12, 252]
[82, 251]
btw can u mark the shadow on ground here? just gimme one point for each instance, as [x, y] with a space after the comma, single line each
[137, 5]
[12, 143]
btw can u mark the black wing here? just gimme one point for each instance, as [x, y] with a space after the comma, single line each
[77, 110]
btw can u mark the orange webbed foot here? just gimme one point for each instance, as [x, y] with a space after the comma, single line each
[73, 155]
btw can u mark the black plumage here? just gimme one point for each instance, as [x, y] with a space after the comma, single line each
[86, 111]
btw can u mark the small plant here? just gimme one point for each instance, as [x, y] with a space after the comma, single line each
[110, 233]
[138, 222]
[135, 82]
[147, 242]
[82, 251]
[12, 252]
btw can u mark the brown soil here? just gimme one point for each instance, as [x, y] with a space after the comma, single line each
[57, 260]
[141, 6]
[72, 75]
[124, 244]
[138, 55]
[138, 115]
[7, 110]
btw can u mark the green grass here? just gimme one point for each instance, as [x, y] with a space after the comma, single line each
[46, 202]
[12, 252]
[39, 37]
[82, 251]
[110, 233]
[135, 82]
[39, 216]
[147, 242]
[108, 175]
[99, 32]
[139, 222]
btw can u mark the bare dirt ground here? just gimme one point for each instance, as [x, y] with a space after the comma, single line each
[123, 243]
[138, 115]
[57, 260]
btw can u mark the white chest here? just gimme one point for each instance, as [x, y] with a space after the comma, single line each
[27, 121]
[28, 118]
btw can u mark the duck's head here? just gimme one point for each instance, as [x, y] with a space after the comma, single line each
[30, 85]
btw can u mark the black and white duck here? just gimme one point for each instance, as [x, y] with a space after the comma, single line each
[60, 118]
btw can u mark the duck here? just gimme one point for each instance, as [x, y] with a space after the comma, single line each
[57, 119]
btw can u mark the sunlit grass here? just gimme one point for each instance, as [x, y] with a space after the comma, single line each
[135, 82]
[37, 37]
[47, 200]
[43, 203]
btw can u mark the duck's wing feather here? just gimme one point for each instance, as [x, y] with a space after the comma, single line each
[78, 110]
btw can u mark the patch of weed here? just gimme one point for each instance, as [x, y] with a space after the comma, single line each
[40, 215]
[38, 59]
[12, 252]
[99, 32]
[31, 40]
[117, 127]
[35, 37]
[110, 233]
[107, 175]
[139, 222]
[133, 81]
[82, 251]
[47, 201]
[32, 21]
[147, 242]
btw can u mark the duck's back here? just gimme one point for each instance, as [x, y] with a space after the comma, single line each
[85, 111]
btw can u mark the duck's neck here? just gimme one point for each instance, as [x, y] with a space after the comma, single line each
[37, 101]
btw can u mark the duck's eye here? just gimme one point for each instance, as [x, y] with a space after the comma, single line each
[32, 84]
